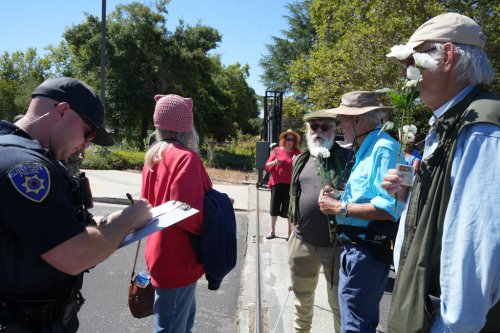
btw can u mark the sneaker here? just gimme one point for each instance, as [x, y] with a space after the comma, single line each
[271, 236]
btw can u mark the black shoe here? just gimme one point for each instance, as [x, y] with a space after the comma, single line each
[271, 236]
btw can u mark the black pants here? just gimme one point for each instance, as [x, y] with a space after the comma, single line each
[280, 198]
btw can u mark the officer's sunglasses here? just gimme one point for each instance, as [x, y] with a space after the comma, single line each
[89, 133]
[92, 131]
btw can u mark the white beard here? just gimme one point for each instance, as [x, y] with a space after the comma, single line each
[316, 146]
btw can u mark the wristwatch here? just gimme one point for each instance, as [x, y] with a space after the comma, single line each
[343, 210]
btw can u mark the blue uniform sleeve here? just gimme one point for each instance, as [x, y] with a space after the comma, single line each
[470, 265]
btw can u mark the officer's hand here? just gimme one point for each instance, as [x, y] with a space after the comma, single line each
[137, 214]
[392, 183]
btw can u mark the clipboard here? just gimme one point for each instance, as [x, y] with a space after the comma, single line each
[165, 215]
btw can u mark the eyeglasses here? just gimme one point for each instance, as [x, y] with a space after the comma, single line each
[410, 61]
[324, 127]
[290, 139]
[90, 135]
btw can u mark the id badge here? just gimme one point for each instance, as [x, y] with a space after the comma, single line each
[405, 171]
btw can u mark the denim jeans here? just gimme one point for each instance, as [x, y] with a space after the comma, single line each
[174, 309]
[362, 280]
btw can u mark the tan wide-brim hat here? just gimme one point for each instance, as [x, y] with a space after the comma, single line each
[359, 102]
[289, 131]
[449, 27]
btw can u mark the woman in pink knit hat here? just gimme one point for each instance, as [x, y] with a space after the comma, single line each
[173, 170]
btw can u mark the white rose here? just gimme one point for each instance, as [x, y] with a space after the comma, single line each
[400, 52]
[423, 60]
[413, 73]
[411, 83]
[323, 152]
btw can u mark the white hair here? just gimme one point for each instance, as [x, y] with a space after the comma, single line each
[155, 153]
[472, 66]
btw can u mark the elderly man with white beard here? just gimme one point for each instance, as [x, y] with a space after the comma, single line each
[311, 245]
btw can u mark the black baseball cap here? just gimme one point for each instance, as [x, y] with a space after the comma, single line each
[82, 99]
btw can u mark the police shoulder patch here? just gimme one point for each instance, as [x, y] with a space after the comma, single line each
[31, 179]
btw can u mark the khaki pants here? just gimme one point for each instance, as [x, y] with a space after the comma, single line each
[305, 261]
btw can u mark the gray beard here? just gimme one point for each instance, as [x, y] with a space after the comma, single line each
[315, 145]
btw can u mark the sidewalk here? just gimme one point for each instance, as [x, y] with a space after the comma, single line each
[111, 186]
[275, 276]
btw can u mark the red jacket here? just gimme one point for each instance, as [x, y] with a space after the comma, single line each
[169, 255]
[281, 173]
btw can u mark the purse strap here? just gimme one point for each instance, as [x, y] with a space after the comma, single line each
[135, 261]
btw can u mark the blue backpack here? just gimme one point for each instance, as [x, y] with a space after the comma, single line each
[216, 248]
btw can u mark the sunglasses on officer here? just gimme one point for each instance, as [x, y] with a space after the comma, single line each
[91, 130]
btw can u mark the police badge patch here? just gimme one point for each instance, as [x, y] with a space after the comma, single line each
[31, 179]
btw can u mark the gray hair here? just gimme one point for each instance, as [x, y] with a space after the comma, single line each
[374, 117]
[154, 154]
[472, 66]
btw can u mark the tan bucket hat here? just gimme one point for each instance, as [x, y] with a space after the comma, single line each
[359, 102]
[449, 27]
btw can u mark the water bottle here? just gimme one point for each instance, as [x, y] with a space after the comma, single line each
[142, 279]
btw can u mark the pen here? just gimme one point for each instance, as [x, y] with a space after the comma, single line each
[129, 197]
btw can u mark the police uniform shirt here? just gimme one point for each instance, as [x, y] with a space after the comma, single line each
[36, 207]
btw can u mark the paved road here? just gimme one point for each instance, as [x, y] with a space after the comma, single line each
[106, 288]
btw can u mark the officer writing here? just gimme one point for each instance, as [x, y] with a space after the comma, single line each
[45, 245]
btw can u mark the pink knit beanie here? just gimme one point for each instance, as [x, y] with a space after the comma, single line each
[173, 113]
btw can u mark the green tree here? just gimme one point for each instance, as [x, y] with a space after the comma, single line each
[20, 73]
[353, 38]
[296, 43]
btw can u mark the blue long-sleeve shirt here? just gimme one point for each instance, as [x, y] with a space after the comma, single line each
[377, 154]
[470, 255]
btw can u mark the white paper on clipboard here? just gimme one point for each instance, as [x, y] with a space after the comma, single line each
[164, 216]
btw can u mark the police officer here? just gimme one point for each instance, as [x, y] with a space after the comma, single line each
[44, 244]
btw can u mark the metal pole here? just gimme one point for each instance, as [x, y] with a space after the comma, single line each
[258, 316]
[103, 51]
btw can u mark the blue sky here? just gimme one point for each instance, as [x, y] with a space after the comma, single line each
[246, 25]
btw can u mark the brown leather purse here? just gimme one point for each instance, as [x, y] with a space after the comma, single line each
[140, 299]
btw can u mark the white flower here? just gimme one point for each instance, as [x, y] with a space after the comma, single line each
[411, 83]
[323, 152]
[408, 137]
[410, 129]
[413, 73]
[423, 60]
[319, 151]
[400, 52]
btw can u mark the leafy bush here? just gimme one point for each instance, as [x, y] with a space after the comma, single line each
[105, 159]
[238, 154]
